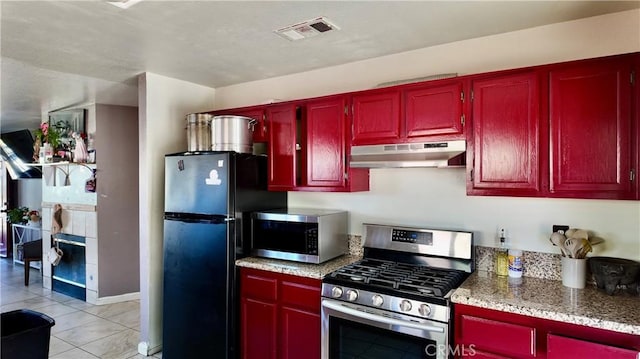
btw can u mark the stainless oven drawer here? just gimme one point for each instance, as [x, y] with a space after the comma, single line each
[350, 330]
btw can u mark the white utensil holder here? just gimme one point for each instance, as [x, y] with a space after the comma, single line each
[574, 272]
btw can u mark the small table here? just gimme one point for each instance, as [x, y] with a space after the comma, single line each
[22, 234]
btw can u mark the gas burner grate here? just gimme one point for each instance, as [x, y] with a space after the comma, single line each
[409, 278]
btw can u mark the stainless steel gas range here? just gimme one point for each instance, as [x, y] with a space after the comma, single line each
[394, 303]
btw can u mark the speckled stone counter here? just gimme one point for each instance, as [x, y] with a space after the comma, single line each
[549, 299]
[317, 271]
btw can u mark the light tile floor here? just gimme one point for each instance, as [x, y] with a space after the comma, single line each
[82, 330]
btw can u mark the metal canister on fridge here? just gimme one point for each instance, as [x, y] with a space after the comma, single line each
[199, 132]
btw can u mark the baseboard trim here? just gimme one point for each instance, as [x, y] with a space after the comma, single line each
[118, 298]
[144, 349]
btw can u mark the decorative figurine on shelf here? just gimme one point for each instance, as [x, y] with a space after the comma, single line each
[90, 185]
[36, 149]
[80, 153]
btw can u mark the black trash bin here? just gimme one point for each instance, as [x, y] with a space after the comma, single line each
[25, 334]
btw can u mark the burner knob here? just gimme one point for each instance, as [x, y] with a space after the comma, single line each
[352, 295]
[377, 300]
[405, 305]
[336, 292]
[424, 310]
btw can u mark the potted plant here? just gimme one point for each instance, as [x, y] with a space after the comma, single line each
[18, 215]
[49, 136]
[34, 217]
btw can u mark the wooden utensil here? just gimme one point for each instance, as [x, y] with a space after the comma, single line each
[585, 247]
[558, 239]
[572, 245]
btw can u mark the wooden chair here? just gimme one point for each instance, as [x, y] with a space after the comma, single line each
[32, 252]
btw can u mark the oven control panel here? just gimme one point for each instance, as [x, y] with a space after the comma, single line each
[408, 236]
[387, 302]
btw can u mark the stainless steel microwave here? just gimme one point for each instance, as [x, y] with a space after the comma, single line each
[299, 234]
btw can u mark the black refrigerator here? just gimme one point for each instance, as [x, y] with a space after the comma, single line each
[208, 200]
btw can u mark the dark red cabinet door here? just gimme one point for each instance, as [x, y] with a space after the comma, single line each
[282, 147]
[434, 111]
[260, 127]
[498, 337]
[487, 333]
[326, 142]
[590, 127]
[300, 336]
[565, 348]
[376, 118]
[506, 136]
[258, 329]
[280, 315]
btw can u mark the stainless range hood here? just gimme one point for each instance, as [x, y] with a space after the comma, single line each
[16, 149]
[423, 154]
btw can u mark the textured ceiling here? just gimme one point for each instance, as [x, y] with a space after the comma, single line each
[56, 54]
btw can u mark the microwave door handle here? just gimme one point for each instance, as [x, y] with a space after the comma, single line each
[377, 318]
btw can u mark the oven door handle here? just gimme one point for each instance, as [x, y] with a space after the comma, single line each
[378, 318]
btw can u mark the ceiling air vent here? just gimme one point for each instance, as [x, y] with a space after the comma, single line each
[307, 29]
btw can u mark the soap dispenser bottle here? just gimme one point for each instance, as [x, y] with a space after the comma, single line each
[502, 256]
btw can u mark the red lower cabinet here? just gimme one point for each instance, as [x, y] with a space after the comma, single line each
[279, 315]
[485, 333]
[511, 340]
[566, 348]
[259, 330]
[300, 334]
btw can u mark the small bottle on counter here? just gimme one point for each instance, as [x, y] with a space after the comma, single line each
[502, 258]
[516, 263]
[91, 151]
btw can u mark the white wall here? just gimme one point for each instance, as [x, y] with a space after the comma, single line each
[592, 37]
[30, 193]
[434, 197]
[163, 104]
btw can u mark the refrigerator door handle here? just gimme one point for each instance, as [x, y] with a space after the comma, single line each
[197, 218]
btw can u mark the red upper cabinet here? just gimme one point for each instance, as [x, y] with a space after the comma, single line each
[590, 129]
[376, 117]
[328, 150]
[260, 128]
[282, 120]
[308, 147]
[431, 110]
[326, 142]
[505, 143]
[434, 110]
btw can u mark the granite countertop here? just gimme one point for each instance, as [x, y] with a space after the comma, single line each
[549, 299]
[317, 271]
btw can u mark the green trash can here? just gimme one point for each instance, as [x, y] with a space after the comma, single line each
[25, 334]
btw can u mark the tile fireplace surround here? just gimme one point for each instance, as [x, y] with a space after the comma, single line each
[79, 220]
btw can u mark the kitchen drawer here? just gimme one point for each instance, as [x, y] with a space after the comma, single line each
[254, 285]
[478, 354]
[562, 348]
[302, 294]
[498, 337]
